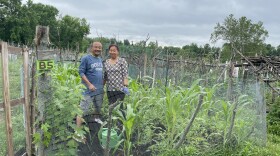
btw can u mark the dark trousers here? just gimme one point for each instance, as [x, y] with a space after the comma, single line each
[113, 96]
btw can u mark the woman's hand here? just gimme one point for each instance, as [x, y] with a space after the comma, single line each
[126, 90]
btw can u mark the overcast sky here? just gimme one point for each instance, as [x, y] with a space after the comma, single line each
[170, 22]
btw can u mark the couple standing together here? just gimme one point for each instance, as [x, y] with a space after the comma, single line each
[95, 74]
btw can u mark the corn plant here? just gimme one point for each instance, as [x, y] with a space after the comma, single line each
[145, 102]
[128, 122]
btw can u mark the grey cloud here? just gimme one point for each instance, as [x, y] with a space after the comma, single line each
[176, 22]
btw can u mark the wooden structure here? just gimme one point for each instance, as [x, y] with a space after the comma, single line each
[7, 103]
[43, 84]
[268, 67]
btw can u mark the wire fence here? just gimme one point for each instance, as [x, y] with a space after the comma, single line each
[169, 72]
[17, 112]
[166, 70]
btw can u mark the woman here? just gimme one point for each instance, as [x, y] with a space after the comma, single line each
[116, 76]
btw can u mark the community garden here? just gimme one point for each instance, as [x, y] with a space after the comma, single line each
[196, 100]
[196, 117]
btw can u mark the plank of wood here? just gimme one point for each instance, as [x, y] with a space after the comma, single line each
[26, 103]
[12, 49]
[14, 102]
[6, 98]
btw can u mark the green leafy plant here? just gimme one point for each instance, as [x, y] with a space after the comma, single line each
[274, 118]
[128, 122]
[58, 128]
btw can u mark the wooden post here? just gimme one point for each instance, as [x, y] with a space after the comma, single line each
[167, 70]
[154, 71]
[6, 99]
[43, 89]
[230, 82]
[77, 54]
[32, 98]
[145, 64]
[26, 103]
[181, 69]
[244, 79]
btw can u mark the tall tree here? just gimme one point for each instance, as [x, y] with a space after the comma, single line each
[191, 50]
[9, 21]
[126, 42]
[241, 34]
[270, 50]
[18, 22]
[71, 31]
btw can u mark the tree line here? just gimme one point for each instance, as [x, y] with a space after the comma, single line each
[18, 23]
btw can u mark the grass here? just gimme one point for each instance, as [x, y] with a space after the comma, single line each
[18, 131]
[272, 148]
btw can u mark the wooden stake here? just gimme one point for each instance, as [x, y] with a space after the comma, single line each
[154, 72]
[6, 99]
[181, 69]
[188, 127]
[26, 103]
[145, 64]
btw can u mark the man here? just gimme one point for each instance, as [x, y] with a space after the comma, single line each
[91, 73]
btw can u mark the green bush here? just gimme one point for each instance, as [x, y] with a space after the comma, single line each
[58, 127]
[273, 118]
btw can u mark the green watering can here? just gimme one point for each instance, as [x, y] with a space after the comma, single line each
[114, 138]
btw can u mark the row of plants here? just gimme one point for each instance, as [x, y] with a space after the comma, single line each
[158, 118]
[57, 130]
[273, 102]
[177, 120]
[164, 121]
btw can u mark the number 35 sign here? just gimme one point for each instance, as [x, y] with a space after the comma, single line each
[45, 64]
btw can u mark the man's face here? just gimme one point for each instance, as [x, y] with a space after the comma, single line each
[96, 48]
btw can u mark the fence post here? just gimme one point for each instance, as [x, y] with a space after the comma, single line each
[181, 69]
[32, 98]
[26, 102]
[167, 69]
[6, 98]
[44, 89]
[154, 71]
[145, 64]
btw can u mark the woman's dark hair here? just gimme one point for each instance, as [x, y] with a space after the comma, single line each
[114, 45]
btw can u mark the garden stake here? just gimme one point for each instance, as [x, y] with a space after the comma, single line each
[187, 129]
[111, 107]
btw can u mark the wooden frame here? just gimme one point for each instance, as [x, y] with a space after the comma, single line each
[7, 103]
[6, 98]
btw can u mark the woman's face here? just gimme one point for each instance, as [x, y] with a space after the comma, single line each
[113, 51]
